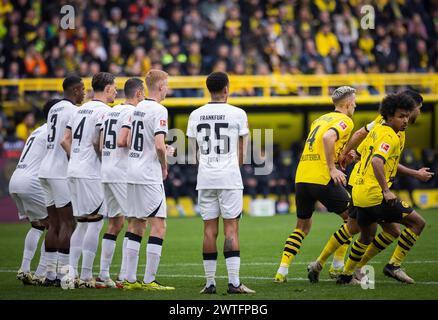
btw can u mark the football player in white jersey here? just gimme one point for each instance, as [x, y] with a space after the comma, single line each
[219, 130]
[53, 177]
[147, 168]
[29, 196]
[114, 167]
[81, 142]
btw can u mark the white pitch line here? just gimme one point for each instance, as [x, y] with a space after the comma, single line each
[270, 279]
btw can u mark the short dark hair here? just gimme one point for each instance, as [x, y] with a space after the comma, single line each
[101, 80]
[70, 82]
[414, 95]
[49, 104]
[131, 86]
[217, 81]
[396, 101]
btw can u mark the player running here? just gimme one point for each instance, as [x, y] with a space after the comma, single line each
[218, 129]
[318, 177]
[371, 195]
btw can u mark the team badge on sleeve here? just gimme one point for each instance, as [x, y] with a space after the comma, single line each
[343, 125]
[163, 123]
[384, 147]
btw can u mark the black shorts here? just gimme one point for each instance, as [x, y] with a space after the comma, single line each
[383, 213]
[335, 198]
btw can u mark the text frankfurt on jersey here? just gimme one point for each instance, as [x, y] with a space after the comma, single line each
[212, 117]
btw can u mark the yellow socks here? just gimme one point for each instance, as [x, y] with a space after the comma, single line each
[380, 242]
[406, 241]
[338, 239]
[292, 247]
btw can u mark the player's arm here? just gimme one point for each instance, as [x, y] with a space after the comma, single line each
[329, 138]
[422, 174]
[100, 140]
[96, 142]
[66, 141]
[378, 164]
[193, 151]
[243, 142]
[160, 147]
[352, 144]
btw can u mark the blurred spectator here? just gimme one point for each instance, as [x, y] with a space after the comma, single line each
[26, 126]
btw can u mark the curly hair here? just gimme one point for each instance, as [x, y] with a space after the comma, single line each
[217, 81]
[396, 101]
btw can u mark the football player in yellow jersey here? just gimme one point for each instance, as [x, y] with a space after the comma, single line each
[317, 177]
[374, 201]
[339, 241]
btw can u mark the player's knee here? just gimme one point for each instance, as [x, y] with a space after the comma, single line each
[419, 223]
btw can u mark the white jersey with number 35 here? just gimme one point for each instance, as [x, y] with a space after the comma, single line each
[148, 119]
[217, 128]
[84, 125]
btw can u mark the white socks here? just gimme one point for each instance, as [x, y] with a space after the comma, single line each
[89, 247]
[210, 265]
[132, 249]
[153, 254]
[232, 260]
[106, 256]
[63, 260]
[122, 274]
[41, 269]
[30, 246]
[76, 242]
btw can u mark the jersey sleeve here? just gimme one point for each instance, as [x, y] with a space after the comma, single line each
[161, 122]
[243, 124]
[126, 119]
[71, 116]
[386, 146]
[343, 127]
[100, 120]
[370, 126]
[191, 128]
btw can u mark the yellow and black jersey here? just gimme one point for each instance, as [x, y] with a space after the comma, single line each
[360, 149]
[312, 167]
[383, 142]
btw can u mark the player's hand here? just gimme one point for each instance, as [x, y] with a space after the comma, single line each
[338, 177]
[346, 159]
[424, 174]
[342, 161]
[170, 151]
[164, 172]
[390, 198]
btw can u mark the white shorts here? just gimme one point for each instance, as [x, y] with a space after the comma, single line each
[31, 205]
[57, 192]
[146, 201]
[86, 196]
[115, 198]
[227, 203]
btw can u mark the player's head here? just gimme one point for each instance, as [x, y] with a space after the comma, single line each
[396, 109]
[156, 82]
[49, 104]
[134, 90]
[104, 85]
[218, 85]
[418, 104]
[344, 99]
[74, 89]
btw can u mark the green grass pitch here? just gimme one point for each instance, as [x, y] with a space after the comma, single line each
[262, 242]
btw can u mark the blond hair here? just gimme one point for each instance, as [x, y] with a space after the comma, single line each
[154, 77]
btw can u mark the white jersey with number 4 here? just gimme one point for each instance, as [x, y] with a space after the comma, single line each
[217, 128]
[55, 162]
[114, 158]
[84, 162]
[148, 119]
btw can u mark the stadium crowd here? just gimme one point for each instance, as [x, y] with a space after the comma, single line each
[193, 37]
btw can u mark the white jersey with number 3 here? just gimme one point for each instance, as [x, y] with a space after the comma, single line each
[148, 119]
[217, 128]
[84, 162]
[54, 165]
[114, 158]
